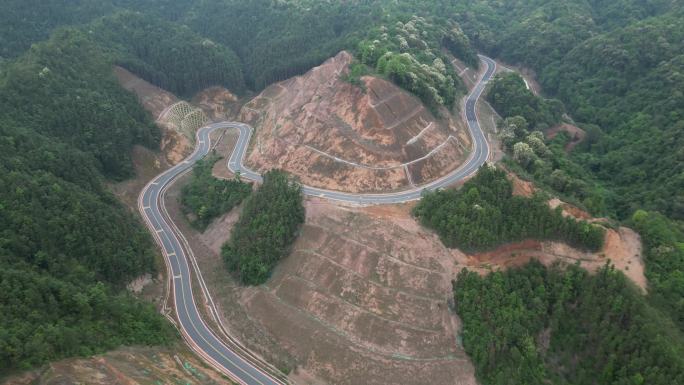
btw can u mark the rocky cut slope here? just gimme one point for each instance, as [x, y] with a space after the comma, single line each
[333, 134]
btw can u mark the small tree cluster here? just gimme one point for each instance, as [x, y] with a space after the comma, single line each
[484, 214]
[268, 224]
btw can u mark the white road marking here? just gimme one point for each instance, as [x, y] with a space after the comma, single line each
[213, 344]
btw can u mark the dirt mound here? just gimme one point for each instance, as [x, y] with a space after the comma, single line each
[130, 366]
[521, 187]
[577, 134]
[152, 98]
[336, 135]
[622, 248]
[218, 103]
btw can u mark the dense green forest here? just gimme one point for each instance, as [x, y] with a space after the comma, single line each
[24, 22]
[67, 247]
[66, 127]
[273, 40]
[617, 67]
[269, 223]
[484, 214]
[65, 89]
[206, 197]
[509, 96]
[534, 325]
[410, 55]
[167, 55]
[532, 156]
[664, 251]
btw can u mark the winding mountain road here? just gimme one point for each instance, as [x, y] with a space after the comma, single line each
[151, 205]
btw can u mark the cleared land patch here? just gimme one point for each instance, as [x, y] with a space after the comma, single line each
[336, 135]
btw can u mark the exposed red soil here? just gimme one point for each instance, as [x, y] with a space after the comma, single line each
[622, 246]
[622, 249]
[577, 134]
[125, 366]
[572, 211]
[218, 103]
[336, 135]
[521, 187]
[362, 298]
[152, 98]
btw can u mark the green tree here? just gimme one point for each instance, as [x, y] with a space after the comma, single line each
[484, 214]
[268, 225]
[207, 197]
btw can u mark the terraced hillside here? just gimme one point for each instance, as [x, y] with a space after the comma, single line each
[333, 134]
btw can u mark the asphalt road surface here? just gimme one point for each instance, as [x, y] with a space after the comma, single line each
[195, 331]
[151, 206]
[478, 156]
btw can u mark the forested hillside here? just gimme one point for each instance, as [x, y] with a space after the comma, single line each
[273, 40]
[168, 55]
[278, 40]
[534, 325]
[24, 22]
[617, 68]
[206, 197]
[509, 96]
[664, 248]
[65, 89]
[410, 54]
[484, 214]
[268, 224]
[525, 117]
[67, 247]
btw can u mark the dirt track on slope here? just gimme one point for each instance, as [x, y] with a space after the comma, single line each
[335, 135]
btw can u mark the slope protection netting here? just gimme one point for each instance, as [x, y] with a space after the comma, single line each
[184, 117]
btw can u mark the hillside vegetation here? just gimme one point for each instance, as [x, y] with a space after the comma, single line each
[534, 325]
[268, 224]
[664, 249]
[617, 68]
[531, 155]
[410, 55]
[166, 54]
[67, 247]
[484, 214]
[207, 197]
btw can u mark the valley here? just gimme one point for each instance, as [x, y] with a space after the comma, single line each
[364, 192]
[355, 281]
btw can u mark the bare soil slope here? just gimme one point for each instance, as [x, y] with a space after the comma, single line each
[336, 135]
[126, 366]
[362, 299]
[622, 247]
[576, 134]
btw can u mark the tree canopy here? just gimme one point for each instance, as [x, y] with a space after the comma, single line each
[67, 247]
[484, 214]
[269, 223]
[537, 325]
[206, 197]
